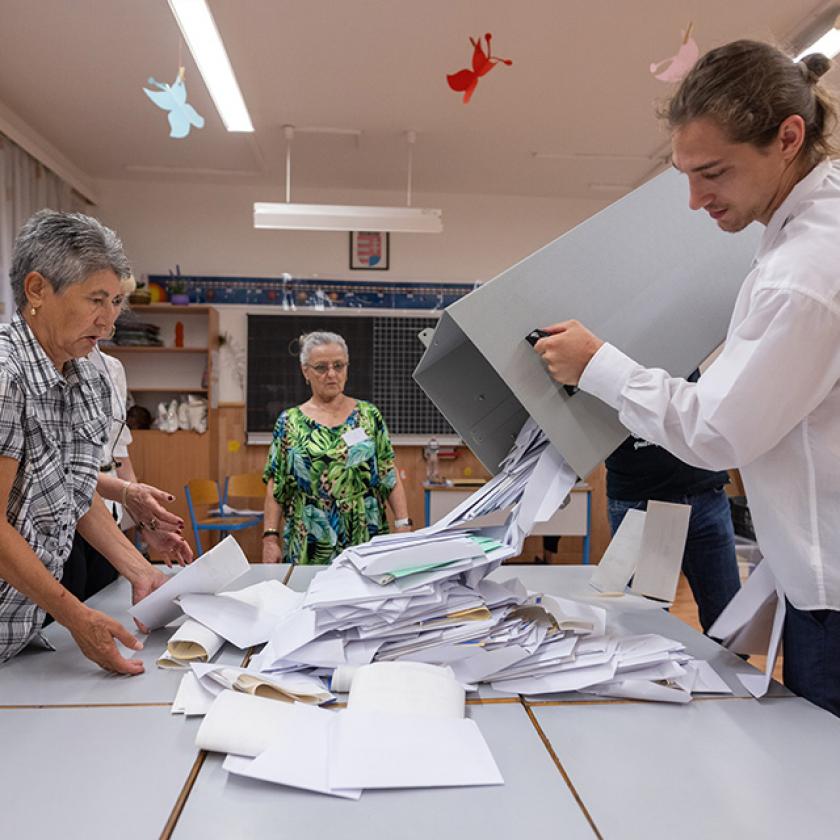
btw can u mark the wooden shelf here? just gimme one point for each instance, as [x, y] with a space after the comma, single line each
[163, 308]
[185, 390]
[120, 348]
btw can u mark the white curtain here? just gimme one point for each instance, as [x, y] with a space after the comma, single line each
[25, 186]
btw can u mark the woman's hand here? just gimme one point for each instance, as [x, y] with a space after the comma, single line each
[146, 506]
[567, 351]
[94, 633]
[169, 546]
[271, 550]
[144, 584]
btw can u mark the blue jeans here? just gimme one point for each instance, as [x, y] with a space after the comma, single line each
[709, 560]
[812, 656]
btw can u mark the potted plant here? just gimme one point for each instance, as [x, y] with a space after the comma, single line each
[178, 292]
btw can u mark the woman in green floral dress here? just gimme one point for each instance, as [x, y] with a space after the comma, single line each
[330, 468]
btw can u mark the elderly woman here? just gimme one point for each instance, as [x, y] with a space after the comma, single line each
[55, 413]
[330, 467]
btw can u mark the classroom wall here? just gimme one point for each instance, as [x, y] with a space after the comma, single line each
[207, 229]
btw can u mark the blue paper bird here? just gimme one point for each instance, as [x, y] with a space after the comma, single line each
[173, 98]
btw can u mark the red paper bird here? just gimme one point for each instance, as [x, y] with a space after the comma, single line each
[482, 63]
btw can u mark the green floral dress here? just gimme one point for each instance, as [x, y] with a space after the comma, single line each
[332, 494]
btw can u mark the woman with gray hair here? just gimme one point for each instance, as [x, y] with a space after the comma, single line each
[330, 468]
[55, 413]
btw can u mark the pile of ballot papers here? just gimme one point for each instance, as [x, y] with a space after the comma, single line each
[421, 597]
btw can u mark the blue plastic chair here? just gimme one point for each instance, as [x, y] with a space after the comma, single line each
[204, 491]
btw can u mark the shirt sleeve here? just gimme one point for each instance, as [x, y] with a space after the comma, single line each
[11, 418]
[778, 365]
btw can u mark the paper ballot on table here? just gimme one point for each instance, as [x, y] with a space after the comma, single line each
[616, 567]
[191, 642]
[382, 750]
[238, 620]
[210, 573]
[192, 697]
[663, 543]
[406, 688]
[243, 724]
[299, 758]
[752, 622]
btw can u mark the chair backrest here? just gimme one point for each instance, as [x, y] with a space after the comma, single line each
[245, 486]
[202, 491]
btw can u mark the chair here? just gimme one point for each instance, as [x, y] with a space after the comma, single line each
[205, 493]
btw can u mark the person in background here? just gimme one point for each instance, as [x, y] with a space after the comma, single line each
[752, 131]
[55, 415]
[131, 503]
[638, 472]
[330, 467]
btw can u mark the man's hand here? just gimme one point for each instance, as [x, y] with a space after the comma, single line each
[146, 506]
[169, 546]
[567, 351]
[271, 551]
[94, 633]
[145, 583]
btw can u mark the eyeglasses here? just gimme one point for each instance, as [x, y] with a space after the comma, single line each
[322, 368]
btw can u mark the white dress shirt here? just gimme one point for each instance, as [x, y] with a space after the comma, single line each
[770, 403]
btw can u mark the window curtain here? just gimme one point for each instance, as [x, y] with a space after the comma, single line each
[25, 186]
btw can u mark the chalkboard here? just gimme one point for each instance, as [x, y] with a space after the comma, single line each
[383, 354]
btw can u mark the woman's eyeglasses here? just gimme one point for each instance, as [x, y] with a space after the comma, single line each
[322, 368]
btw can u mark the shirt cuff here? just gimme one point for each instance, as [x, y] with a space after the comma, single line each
[607, 373]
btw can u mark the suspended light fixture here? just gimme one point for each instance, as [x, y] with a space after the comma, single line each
[345, 217]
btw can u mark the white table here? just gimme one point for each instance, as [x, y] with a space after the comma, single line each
[719, 767]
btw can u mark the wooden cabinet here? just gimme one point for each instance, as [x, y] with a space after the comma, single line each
[160, 374]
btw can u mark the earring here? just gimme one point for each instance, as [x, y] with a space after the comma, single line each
[33, 311]
[113, 332]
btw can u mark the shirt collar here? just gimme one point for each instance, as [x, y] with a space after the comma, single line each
[41, 373]
[786, 210]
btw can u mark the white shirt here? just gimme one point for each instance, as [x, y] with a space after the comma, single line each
[770, 403]
[119, 436]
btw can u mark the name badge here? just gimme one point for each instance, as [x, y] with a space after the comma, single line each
[353, 436]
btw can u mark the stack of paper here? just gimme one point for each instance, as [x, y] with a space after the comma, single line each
[424, 598]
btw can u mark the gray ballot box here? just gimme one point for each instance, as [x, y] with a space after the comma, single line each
[647, 274]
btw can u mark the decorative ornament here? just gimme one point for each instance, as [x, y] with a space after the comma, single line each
[466, 80]
[676, 68]
[173, 98]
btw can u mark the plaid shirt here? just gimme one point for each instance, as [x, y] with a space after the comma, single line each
[54, 426]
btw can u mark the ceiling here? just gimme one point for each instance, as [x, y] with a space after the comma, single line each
[579, 88]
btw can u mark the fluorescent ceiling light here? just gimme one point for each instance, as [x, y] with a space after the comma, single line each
[205, 43]
[287, 216]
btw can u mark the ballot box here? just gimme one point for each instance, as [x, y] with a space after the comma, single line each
[647, 274]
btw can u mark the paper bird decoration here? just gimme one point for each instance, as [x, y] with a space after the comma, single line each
[676, 68]
[482, 63]
[173, 98]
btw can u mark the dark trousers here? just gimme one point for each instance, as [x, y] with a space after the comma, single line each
[709, 561]
[812, 656]
[86, 570]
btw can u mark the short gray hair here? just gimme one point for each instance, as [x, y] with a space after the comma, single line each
[65, 248]
[310, 341]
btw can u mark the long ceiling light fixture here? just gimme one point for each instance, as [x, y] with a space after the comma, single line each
[823, 36]
[202, 37]
[345, 217]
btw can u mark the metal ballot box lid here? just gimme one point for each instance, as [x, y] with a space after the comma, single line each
[647, 274]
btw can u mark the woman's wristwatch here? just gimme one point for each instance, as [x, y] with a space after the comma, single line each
[271, 532]
[403, 523]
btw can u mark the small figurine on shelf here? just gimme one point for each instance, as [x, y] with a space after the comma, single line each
[179, 333]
